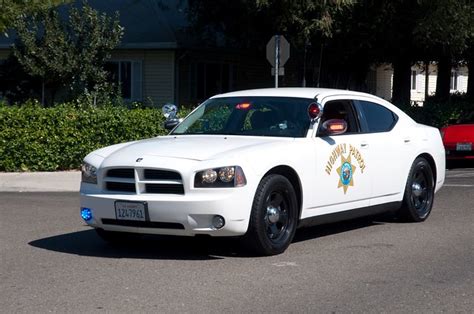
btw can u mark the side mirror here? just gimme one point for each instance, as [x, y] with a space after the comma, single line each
[170, 111]
[334, 127]
[170, 124]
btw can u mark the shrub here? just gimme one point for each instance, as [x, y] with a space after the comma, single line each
[438, 113]
[33, 138]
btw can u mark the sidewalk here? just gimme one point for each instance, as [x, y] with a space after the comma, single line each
[67, 181]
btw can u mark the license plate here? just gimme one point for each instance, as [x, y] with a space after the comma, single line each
[131, 210]
[464, 146]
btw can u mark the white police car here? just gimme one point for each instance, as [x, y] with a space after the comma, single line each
[260, 163]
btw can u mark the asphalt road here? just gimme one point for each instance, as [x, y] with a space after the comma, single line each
[49, 261]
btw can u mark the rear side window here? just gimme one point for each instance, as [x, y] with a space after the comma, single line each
[379, 118]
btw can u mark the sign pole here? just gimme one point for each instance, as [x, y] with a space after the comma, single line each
[278, 52]
[277, 59]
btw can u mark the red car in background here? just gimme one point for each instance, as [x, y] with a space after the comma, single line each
[458, 139]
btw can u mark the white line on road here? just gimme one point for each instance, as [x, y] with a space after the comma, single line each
[460, 185]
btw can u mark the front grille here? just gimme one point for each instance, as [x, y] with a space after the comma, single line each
[121, 173]
[121, 187]
[143, 224]
[156, 174]
[158, 188]
[143, 181]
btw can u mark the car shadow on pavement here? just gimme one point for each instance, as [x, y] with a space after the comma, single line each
[88, 243]
[320, 231]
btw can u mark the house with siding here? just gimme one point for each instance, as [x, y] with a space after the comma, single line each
[159, 61]
[381, 83]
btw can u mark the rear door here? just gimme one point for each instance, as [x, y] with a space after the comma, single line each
[389, 147]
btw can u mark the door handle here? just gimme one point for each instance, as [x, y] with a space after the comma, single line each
[364, 144]
[407, 140]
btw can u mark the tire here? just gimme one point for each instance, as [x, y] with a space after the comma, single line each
[273, 218]
[419, 192]
[116, 238]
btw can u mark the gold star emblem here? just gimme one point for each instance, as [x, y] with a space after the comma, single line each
[346, 172]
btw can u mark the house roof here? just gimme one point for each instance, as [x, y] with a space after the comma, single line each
[148, 24]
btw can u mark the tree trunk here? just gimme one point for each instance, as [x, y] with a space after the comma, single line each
[470, 79]
[42, 92]
[427, 79]
[444, 77]
[401, 82]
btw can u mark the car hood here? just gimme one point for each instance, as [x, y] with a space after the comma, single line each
[189, 147]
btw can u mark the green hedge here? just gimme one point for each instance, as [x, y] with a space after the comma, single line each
[33, 138]
[439, 113]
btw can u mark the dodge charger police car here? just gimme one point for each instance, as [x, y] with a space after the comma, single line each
[260, 163]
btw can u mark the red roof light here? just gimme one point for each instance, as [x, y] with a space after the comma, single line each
[314, 110]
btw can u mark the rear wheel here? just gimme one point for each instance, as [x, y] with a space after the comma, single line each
[419, 192]
[274, 216]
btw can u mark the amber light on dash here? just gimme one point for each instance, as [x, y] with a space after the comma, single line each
[243, 106]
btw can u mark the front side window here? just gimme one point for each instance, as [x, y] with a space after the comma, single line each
[252, 116]
[341, 109]
[379, 118]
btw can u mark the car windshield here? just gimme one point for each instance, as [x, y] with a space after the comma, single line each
[253, 116]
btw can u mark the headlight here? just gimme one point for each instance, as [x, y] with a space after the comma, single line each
[224, 177]
[89, 173]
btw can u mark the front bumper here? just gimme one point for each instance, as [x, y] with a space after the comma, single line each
[185, 215]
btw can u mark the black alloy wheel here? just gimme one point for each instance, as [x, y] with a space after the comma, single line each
[419, 192]
[274, 216]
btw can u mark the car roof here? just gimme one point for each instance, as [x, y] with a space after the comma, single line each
[300, 92]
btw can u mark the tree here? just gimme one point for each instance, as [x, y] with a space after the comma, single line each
[67, 53]
[468, 57]
[443, 32]
[13, 9]
[248, 24]
[307, 17]
[403, 32]
[470, 66]
[299, 19]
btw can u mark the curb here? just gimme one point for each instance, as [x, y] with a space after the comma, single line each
[67, 181]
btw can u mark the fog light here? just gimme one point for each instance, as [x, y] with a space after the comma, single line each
[218, 222]
[86, 214]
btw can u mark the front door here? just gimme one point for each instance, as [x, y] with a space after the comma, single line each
[343, 172]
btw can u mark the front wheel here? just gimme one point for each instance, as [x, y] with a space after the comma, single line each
[274, 216]
[419, 192]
